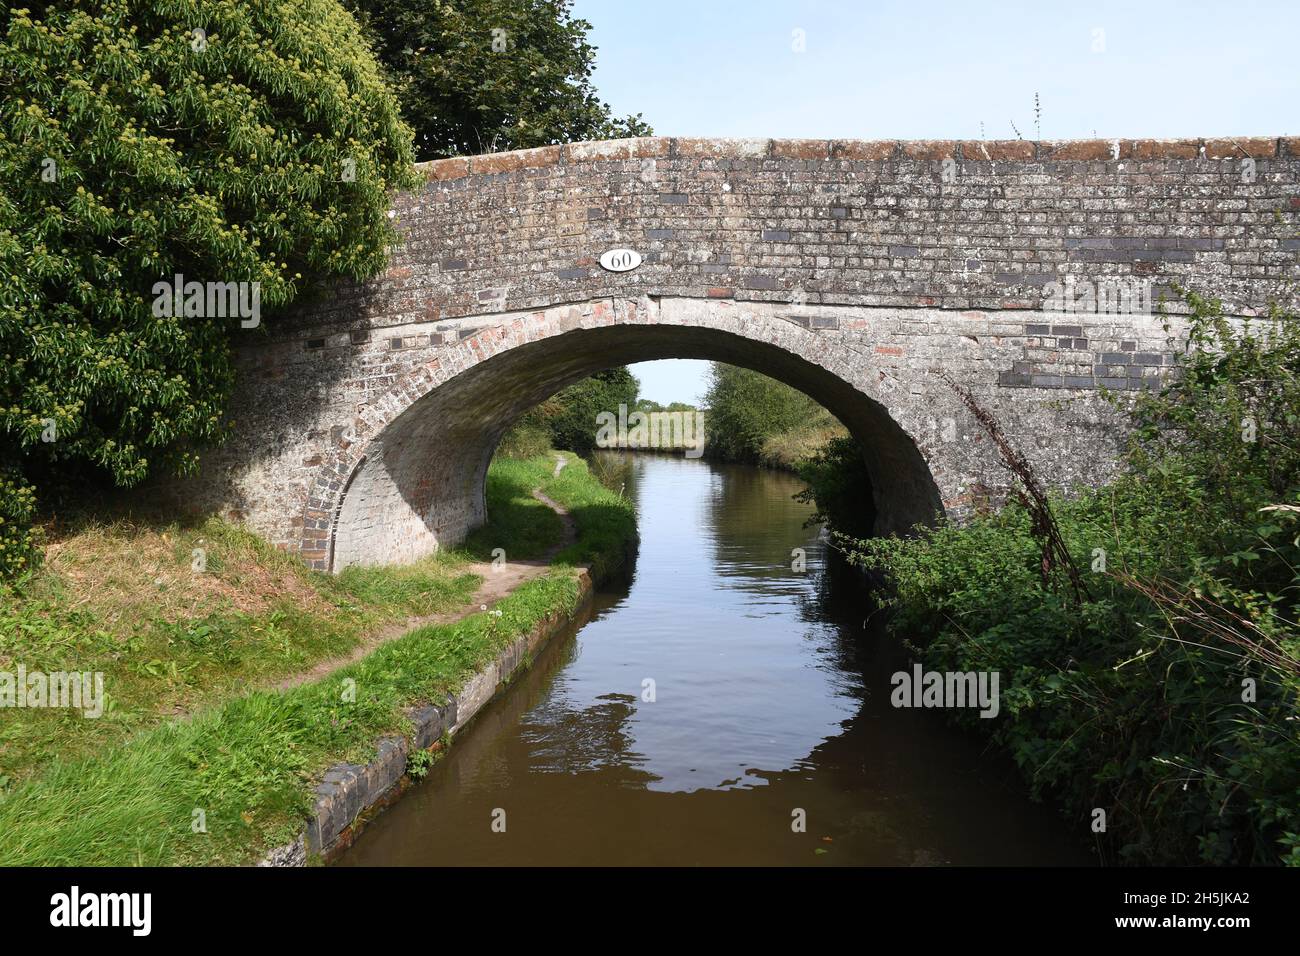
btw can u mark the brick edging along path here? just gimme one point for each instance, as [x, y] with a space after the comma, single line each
[348, 791]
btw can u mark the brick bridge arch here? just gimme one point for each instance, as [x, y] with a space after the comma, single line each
[415, 475]
[854, 270]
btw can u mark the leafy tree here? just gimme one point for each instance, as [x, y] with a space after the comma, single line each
[567, 419]
[649, 405]
[573, 420]
[745, 408]
[18, 539]
[478, 76]
[224, 142]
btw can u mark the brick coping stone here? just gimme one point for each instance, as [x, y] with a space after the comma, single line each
[1014, 150]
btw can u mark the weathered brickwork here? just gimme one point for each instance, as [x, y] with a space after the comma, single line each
[857, 271]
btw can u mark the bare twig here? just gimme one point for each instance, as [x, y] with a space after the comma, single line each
[1055, 553]
[1183, 606]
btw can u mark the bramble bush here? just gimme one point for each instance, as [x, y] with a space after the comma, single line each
[1167, 695]
[221, 141]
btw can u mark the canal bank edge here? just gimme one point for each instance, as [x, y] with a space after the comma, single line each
[348, 791]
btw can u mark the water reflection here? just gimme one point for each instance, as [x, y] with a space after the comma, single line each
[770, 699]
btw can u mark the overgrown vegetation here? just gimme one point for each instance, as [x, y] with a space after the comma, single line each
[1164, 691]
[246, 758]
[839, 487]
[221, 142]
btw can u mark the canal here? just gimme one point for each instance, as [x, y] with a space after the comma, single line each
[705, 705]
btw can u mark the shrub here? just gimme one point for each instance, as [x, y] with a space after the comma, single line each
[1167, 697]
[220, 141]
[839, 487]
[746, 409]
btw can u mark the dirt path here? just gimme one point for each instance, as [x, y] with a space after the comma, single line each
[497, 583]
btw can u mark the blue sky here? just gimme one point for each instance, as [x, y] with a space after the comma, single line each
[878, 69]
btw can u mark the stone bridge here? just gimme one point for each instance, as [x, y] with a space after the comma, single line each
[858, 272]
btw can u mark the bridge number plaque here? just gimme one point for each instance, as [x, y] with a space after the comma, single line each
[620, 260]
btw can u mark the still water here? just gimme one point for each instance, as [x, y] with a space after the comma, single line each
[708, 701]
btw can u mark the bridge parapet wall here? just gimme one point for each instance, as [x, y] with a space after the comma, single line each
[952, 225]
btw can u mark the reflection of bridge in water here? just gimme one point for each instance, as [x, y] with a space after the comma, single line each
[769, 696]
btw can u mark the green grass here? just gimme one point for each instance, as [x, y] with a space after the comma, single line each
[123, 599]
[606, 522]
[248, 763]
[517, 522]
[426, 587]
[525, 528]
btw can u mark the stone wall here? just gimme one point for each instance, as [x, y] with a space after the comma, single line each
[858, 271]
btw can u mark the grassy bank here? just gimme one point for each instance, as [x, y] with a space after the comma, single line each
[233, 776]
[1145, 633]
[129, 600]
[790, 449]
[525, 527]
